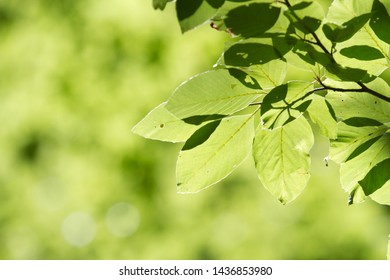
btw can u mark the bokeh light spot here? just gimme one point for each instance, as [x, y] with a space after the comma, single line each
[78, 229]
[122, 219]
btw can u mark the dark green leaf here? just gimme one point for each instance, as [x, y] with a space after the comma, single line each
[247, 54]
[301, 6]
[307, 24]
[362, 52]
[302, 107]
[195, 12]
[160, 4]
[197, 120]
[359, 122]
[377, 177]
[340, 33]
[252, 20]
[380, 21]
[201, 135]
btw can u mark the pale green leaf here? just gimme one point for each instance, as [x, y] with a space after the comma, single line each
[350, 138]
[362, 104]
[355, 169]
[269, 75]
[356, 196]
[282, 158]
[321, 114]
[382, 196]
[342, 11]
[212, 92]
[161, 125]
[207, 160]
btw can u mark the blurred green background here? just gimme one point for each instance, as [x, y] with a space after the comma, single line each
[75, 183]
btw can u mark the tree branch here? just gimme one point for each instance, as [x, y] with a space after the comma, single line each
[363, 88]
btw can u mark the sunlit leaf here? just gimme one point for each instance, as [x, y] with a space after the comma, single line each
[196, 12]
[212, 92]
[321, 114]
[269, 75]
[356, 196]
[382, 196]
[350, 104]
[282, 159]
[350, 138]
[358, 150]
[205, 162]
[343, 11]
[161, 125]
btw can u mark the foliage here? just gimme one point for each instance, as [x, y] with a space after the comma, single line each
[245, 105]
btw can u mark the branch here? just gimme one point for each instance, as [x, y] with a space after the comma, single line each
[317, 40]
[363, 88]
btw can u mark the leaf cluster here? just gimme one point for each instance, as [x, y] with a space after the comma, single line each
[246, 106]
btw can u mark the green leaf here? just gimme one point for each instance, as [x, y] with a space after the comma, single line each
[346, 12]
[320, 113]
[356, 196]
[161, 125]
[382, 196]
[350, 138]
[207, 162]
[269, 75]
[380, 21]
[247, 54]
[358, 150]
[252, 20]
[359, 122]
[376, 177]
[305, 16]
[337, 33]
[201, 135]
[160, 4]
[362, 52]
[282, 159]
[285, 103]
[196, 12]
[351, 104]
[212, 92]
